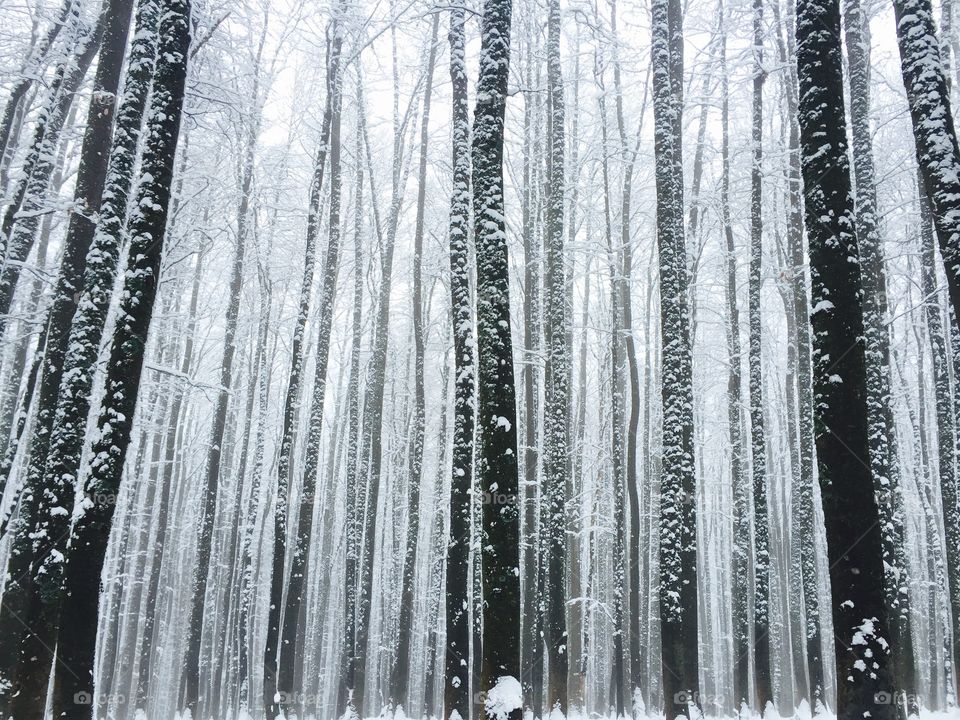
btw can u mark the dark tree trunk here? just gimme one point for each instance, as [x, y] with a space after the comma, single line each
[938, 154]
[497, 474]
[91, 531]
[351, 531]
[456, 692]
[55, 424]
[884, 461]
[291, 640]
[678, 506]
[22, 216]
[617, 427]
[946, 431]
[854, 540]
[193, 699]
[557, 387]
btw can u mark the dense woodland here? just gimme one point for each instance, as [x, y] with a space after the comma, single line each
[479, 359]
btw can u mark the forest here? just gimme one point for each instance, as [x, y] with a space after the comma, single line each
[479, 359]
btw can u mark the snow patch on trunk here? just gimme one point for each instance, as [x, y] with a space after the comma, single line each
[505, 697]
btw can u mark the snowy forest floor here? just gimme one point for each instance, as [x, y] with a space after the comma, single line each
[802, 713]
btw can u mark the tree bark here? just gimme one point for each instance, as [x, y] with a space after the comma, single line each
[456, 693]
[91, 531]
[497, 473]
[678, 506]
[851, 515]
[884, 461]
[557, 388]
[758, 445]
[938, 153]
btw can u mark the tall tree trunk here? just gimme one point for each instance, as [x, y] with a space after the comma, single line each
[167, 490]
[938, 153]
[22, 216]
[852, 520]
[624, 288]
[291, 406]
[290, 639]
[351, 529]
[946, 432]
[799, 345]
[531, 653]
[497, 474]
[400, 677]
[617, 426]
[91, 531]
[372, 452]
[938, 156]
[193, 699]
[758, 445]
[557, 387]
[456, 693]
[884, 461]
[738, 475]
[678, 506]
[55, 421]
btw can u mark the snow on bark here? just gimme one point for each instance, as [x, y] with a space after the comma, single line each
[851, 514]
[456, 692]
[557, 381]
[938, 153]
[147, 228]
[678, 502]
[497, 470]
[884, 463]
[21, 219]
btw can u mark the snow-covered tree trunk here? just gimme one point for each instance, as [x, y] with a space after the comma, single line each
[22, 216]
[352, 505]
[531, 653]
[193, 699]
[292, 400]
[456, 693]
[884, 461]
[854, 539]
[91, 530]
[556, 465]
[802, 492]
[36, 501]
[758, 444]
[945, 429]
[678, 501]
[938, 153]
[497, 471]
[617, 427]
[625, 329]
[290, 634]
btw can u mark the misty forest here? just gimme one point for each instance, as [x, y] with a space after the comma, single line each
[479, 359]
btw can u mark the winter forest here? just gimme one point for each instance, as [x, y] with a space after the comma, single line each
[479, 359]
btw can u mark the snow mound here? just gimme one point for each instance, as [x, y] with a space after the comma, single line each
[504, 697]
